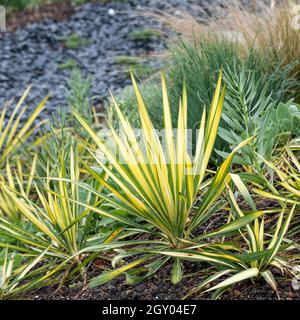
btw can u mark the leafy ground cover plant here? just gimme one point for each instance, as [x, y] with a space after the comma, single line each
[158, 185]
[144, 34]
[74, 41]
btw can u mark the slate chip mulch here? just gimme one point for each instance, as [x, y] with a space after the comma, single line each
[36, 53]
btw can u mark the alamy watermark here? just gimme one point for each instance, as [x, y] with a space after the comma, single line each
[2, 19]
[137, 149]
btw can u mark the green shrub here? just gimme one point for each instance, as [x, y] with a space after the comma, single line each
[250, 110]
[199, 66]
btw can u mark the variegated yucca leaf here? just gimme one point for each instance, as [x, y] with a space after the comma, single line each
[287, 169]
[15, 269]
[12, 179]
[13, 131]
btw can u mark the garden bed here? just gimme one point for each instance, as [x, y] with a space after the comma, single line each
[206, 207]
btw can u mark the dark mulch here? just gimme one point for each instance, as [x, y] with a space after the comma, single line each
[159, 287]
[57, 11]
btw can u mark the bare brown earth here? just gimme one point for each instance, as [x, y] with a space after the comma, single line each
[56, 11]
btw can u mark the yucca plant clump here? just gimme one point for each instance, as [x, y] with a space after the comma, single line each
[146, 195]
[52, 223]
[146, 198]
[158, 183]
[262, 246]
[15, 133]
[40, 214]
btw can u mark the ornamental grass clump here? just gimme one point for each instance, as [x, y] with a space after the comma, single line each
[260, 245]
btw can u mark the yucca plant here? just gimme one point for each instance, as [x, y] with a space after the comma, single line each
[260, 248]
[17, 272]
[13, 132]
[287, 169]
[52, 219]
[7, 207]
[160, 185]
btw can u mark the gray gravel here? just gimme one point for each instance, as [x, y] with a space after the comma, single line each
[33, 54]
